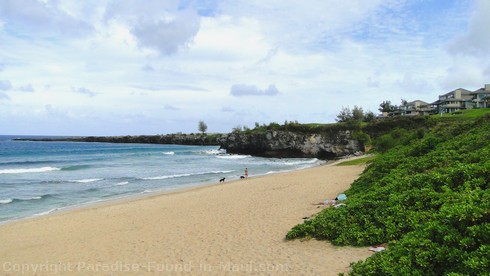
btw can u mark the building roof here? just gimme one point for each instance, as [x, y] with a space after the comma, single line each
[481, 91]
[465, 91]
[414, 102]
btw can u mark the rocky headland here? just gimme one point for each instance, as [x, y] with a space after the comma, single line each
[291, 144]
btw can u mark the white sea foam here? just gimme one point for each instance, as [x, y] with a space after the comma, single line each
[46, 212]
[10, 200]
[166, 176]
[121, 183]
[217, 172]
[212, 152]
[88, 180]
[234, 156]
[29, 170]
[6, 201]
[168, 152]
[183, 175]
[301, 162]
[31, 198]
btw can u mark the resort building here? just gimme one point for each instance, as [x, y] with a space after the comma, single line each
[481, 97]
[414, 108]
[454, 101]
[451, 102]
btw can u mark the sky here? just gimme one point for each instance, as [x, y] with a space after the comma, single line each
[130, 67]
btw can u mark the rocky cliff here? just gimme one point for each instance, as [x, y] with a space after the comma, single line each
[291, 144]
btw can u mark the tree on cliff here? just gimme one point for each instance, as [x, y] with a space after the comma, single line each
[357, 113]
[386, 106]
[344, 115]
[202, 127]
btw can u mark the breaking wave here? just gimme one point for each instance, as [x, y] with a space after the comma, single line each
[29, 170]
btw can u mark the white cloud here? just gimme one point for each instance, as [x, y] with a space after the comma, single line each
[26, 88]
[41, 18]
[84, 91]
[309, 25]
[171, 107]
[226, 39]
[476, 41]
[5, 85]
[167, 36]
[162, 66]
[470, 51]
[158, 25]
[411, 85]
[148, 68]
[239, 90]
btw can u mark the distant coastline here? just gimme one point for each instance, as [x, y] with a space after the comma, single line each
[270, 143]
[173, 139]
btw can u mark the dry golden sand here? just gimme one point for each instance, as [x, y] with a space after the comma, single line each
[232, 228]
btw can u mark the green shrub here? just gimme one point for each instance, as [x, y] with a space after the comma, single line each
[426, 196]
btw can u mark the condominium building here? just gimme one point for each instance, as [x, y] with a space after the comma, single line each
[454, 101]
[414, 108]
[451, 102]
[481, 97]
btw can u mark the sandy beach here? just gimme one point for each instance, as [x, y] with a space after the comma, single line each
[232, 228]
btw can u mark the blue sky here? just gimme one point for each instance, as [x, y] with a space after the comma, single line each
[107, 67]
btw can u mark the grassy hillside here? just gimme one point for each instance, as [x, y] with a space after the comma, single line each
[426, 196]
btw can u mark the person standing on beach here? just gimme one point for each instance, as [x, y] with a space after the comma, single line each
[246, 172]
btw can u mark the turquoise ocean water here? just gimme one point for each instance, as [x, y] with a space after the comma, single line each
[38, 178]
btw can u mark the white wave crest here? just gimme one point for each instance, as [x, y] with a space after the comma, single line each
[234, 156]
[168, 152]
[88, 180]
[183, 175]
[29, 170]
[121, 183]
[217, 172]
[10, 200]
[212, 152]
[6, 201]
[301, 162]
[31, 198]
[165, 176]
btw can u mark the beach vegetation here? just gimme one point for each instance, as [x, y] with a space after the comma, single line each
[362, 137]
[359, 161]
[424, 196]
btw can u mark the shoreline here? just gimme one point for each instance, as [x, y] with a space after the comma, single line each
[235, 226]
[142, 195]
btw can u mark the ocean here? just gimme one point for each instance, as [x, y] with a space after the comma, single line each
[38, 178]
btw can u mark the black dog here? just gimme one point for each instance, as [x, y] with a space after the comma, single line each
[222, 179]
[242, 177]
